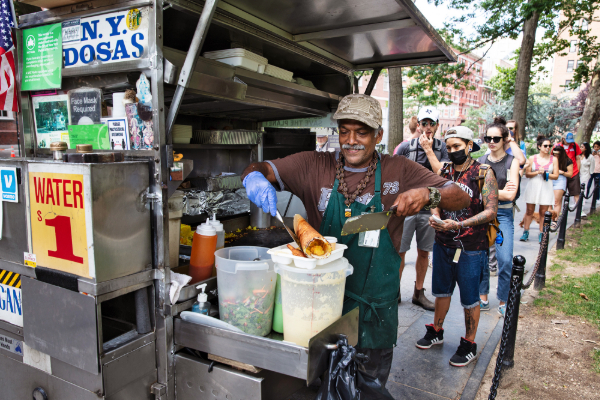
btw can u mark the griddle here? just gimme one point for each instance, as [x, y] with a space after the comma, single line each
[262, 237]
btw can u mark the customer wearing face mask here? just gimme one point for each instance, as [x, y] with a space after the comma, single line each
[429, 152]
[460, 252]
[506, 168]
[542, 170]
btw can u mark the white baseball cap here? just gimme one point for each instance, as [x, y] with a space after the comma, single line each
[461, 132]
[428, 112]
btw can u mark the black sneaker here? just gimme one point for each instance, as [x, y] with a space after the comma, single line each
[432, 337]
[467, 352]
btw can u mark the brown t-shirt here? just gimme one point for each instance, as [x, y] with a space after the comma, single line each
[310, 175]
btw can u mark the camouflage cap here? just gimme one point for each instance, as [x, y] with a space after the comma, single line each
[360, 107]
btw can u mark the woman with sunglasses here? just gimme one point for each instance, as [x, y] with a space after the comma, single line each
[510, 145]
[542, 170]
[506, 167]
[565, 170]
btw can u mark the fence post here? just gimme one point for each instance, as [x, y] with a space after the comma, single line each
[595, 196]
[540, 275]
[562, 231]
[577, 223]
[516, 279]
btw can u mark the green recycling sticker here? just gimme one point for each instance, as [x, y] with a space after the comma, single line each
[42, 58]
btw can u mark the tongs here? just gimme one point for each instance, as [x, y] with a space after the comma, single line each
[292, 234]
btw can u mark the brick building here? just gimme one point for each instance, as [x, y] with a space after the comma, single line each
[564, 66]
[8, 128]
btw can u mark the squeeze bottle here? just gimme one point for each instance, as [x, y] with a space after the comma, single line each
[204, 246]
[220, 237]
[202, 306]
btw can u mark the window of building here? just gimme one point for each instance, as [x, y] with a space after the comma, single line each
[573, 47]
[567, 83]
[386, 83]
[584, 25]
[579, 63]
[570, 64]
[6, 114]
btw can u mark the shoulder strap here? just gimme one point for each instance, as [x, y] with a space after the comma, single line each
[412, 150]
[445, 170]
[483, 169]
[437, 145]
[508, 162]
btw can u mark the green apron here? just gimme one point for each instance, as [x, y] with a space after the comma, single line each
[375, 284]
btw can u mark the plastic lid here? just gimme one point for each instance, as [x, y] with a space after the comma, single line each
[202, 297]
[206, 229]
[216, 223]
[337, 265]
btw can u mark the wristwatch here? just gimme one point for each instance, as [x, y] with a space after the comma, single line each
[434, 198]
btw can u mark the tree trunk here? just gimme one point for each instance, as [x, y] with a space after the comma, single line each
[591, 111]
[524, 71]
[396, 106]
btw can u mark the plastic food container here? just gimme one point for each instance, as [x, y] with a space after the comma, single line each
[280, 73]
[246, 288]
[283, 255]
[239, 58]
[332, 241]
[312, 299]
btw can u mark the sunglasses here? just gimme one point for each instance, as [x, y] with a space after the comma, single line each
[431, 124]
[511, 128]
[546, 146]
[490, 139]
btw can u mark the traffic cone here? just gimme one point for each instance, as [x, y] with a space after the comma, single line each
[12, 151]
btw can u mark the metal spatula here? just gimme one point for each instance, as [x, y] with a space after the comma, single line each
[367, 222]
[292, 234]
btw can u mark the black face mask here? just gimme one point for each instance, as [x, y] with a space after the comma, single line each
[458, 157]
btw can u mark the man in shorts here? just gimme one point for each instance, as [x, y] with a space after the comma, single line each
[430, 153]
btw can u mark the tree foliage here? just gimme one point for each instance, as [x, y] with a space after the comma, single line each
[428, 83]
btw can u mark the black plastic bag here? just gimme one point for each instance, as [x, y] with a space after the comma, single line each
[345, 381]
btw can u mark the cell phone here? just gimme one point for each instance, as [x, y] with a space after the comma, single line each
[436, 219]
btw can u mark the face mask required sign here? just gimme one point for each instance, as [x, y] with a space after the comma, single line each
[109, 38]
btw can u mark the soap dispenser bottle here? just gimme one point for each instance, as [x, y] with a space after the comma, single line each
[202, 306]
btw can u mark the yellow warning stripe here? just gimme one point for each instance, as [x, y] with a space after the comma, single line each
[10, 278]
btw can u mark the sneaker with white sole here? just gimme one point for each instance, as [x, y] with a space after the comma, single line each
[484, 305]
[502, 310]
[431, 338]
[467, 352]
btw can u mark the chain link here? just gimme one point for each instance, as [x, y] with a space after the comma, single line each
[545, 239]
[508, 315]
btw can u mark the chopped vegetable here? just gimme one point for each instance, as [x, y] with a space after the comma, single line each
[253, 315]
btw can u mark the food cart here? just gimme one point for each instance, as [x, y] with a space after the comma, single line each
[85, 311]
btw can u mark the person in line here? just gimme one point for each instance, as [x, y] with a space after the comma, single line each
[515, 134]
[506, 168]
[323, 143]
[596, 173]
[415, 131]
[574, 153]
[429, 152]
[460, 252]
[565, 171]
[588, 166]
[542, 170]
[337, 186]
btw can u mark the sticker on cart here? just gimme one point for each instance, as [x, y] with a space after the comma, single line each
[71, 30]
[59, 235]
[11, 344]
[30, 260]
[11, 309]
[108, 38]
[9, 187]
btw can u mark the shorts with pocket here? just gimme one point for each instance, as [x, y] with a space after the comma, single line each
[425, 233]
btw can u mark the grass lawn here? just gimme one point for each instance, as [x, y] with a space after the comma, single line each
[578, 296]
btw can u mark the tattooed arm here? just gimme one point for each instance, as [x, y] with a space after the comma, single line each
[489, 193]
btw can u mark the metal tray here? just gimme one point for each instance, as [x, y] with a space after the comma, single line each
[269, 352]
[226, 137]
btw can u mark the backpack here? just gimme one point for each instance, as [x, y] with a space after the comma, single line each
[493, 228]
[507, 164]
[414, 145]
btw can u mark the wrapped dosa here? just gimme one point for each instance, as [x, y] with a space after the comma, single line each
[296, 252]
[313, 243]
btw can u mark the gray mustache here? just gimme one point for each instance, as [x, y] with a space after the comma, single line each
[353, 147]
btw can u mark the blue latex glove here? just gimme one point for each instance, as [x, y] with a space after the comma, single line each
[261, 192]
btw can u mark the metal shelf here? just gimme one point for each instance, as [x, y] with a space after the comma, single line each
[213, 146]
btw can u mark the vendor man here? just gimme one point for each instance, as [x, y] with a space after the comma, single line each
[335, 186]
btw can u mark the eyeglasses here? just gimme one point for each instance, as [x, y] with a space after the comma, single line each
[431, 124]
[511, 128]
[490, 139]
[546, 146]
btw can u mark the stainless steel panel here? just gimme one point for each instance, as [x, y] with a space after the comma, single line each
[122, 243]
[13, 329]
[137, 342]
[226, 137]
[137, 390]
[275, 355]
[129, 368]
[18, 268]
[76, 376]
[61, 323]
[14, 227]
[194, 382]
[19, 381]
[13, 334]
[112, 285]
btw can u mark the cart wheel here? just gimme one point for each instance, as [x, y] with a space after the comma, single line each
[39, 394]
